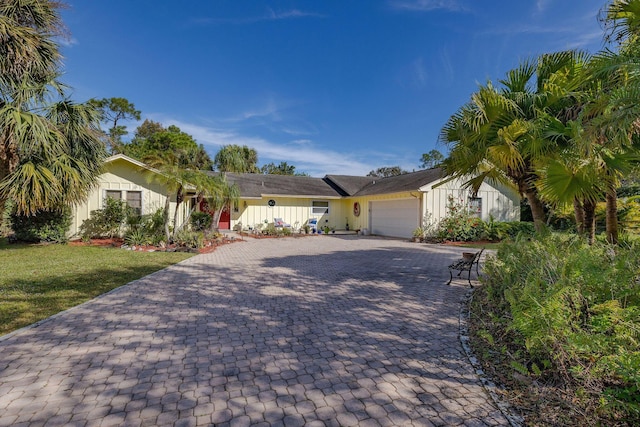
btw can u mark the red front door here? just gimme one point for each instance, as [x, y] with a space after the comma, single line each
[225, 219]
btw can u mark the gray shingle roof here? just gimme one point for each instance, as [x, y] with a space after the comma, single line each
[349, 184]
[331, 186]
[405, 182]
[257, 185]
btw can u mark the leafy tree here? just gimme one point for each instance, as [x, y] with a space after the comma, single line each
[220, 195]
[174, 175]
[112, 111]
[147, 129]
[281, 169]
[503, 134]
[432, 159]
[235, 158]
[152, 139]
[385, 172]
[50, 148]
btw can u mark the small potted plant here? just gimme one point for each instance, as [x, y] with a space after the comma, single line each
[326, 229]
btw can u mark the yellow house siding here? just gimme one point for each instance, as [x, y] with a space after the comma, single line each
[502, 203]
[293, 210]
[125, 176]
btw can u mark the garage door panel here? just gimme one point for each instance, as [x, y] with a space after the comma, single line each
[395, 218]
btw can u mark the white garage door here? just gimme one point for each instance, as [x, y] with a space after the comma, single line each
[395, 218]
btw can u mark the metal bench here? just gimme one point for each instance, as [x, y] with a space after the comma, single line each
[465, 264]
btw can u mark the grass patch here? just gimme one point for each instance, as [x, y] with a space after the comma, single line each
[38, 281]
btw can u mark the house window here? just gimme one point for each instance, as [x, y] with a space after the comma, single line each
[134, 200]
[113, 194]
[475, 206]
[319, 208]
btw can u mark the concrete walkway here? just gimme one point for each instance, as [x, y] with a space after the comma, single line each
[322, 330]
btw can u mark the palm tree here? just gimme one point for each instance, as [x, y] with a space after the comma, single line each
[612, 114]
[220, 195]
[50, 152]
[174, 175]
[235, 158]
[502, 135]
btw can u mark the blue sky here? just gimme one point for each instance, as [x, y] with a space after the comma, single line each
[330, 86]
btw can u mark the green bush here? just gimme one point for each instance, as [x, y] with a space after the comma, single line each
[44, 226]
[145, 229]
[106, 222]
[459, 224]
[200, 221]
[510, 230]
[137, 237]
[577, 309]
[189, 239]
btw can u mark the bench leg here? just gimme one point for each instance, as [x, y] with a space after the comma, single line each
[469, 278]
[450, 277]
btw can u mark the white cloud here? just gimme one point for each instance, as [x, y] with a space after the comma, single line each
[419, 73]
[304, 154]
[270, 15]
[67, 41]
[541, 5]
[426, 5]
[290, 14]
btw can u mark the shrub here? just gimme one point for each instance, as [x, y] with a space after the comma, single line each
[189, 239]
[200, 221]
[145, 229]
[459, 224]
[577, 309]
[137, 237]
[511, 230]
[44, 226]
[105, 222]
[270, 230]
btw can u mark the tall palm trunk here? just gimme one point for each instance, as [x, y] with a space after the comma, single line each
[165, 217]
[179, 199]
[578, 211]
[612, 216]
[215, 220]
[590, 220]
[537, 209]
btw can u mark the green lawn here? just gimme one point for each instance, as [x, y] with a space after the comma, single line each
[37, 281]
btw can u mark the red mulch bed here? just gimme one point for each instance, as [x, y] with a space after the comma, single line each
[118, 242]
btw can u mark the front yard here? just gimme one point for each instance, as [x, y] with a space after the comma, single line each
[38, 281]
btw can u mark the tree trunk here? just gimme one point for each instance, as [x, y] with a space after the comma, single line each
[537, 209]
[215, 219]
[179, 199]
[578, 211]
[165, 216]
[9, 160]
[612, 216]
[186, 219]
[590, 220]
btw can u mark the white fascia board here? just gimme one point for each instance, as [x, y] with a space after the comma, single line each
[302, 196]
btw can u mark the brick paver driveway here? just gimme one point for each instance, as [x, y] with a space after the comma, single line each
[322, 330]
